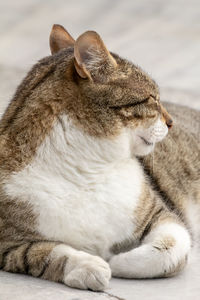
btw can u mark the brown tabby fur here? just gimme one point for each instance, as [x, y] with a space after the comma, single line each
[174, 166]
[101, 102]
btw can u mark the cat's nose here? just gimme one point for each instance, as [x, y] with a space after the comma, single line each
[166, 117]
[169, 123]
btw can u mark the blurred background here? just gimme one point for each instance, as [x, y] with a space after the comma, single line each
[163, 37]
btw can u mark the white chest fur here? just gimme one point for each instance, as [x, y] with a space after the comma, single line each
[84, 190]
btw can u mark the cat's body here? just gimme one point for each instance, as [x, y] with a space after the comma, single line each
[71, 185]
[174, 166]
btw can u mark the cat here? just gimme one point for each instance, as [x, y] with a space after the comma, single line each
[96, 179]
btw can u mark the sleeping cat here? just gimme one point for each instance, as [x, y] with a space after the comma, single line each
[81, 195]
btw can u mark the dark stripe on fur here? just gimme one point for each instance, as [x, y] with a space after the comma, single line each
[166, 199]
[147, 219]
[26, 264]
[149, 225]
[43, 270]
[6, 253]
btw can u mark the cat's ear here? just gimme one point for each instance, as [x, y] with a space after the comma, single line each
[91, 56]
[60, 39]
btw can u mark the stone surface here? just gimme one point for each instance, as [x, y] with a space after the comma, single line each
[185, 286]
[163, 38]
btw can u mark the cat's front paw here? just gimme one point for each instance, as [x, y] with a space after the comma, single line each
[87, 272]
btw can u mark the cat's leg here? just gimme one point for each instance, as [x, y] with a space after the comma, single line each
[163, 253]
[56, 262]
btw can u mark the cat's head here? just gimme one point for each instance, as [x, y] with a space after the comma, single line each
[109, 95]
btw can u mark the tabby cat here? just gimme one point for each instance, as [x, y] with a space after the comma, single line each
[81, 195]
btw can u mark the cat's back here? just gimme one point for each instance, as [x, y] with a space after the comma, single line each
[183, 140]
[185, 118]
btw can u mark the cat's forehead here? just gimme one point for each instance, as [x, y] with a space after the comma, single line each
[127, 76]
[131, 79]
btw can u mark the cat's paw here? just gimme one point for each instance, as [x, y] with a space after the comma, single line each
[87, 272]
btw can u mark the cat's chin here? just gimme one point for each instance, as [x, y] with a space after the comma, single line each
[141, 145]
[143, 150]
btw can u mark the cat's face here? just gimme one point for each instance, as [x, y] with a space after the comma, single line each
[111, 95]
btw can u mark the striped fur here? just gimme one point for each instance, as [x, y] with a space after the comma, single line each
[76, 201]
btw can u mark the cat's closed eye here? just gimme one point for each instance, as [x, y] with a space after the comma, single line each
[135, 103]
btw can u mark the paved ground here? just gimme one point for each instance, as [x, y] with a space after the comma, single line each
[183, 287]
[161, 36]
